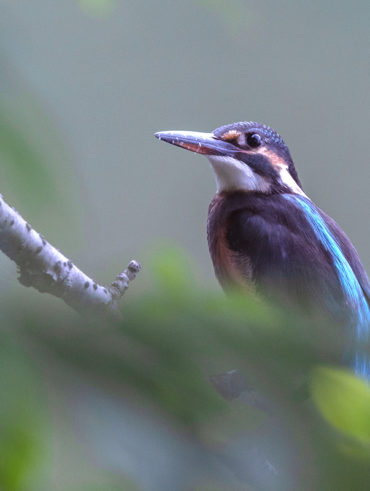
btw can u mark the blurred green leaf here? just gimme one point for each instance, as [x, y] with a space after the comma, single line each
[97, 7]
[172, 271]
[344, 400]
[21, 420]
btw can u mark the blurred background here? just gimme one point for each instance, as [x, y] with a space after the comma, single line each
[84, 84]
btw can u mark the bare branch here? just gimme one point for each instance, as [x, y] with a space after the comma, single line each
[43, 267]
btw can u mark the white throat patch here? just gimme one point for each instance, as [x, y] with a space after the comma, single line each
[233, 175]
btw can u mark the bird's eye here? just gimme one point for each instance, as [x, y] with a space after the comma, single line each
[254, 140]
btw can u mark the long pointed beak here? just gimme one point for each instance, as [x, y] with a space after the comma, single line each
[203, 143]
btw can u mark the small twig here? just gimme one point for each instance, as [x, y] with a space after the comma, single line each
[43, 267]
[122, 281]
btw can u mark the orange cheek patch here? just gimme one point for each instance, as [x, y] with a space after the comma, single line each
[277, 162]
[230, 135]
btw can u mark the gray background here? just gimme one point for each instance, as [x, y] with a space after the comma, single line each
[91, 88]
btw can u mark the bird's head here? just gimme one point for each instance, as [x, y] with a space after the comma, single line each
[245, 156]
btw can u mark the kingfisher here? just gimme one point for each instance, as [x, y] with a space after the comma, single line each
[266, 235]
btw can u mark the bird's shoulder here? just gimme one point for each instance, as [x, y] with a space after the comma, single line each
[284, 225]
[259, 215]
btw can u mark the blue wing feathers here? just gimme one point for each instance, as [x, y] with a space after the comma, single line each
[350, 272]
[349, 252]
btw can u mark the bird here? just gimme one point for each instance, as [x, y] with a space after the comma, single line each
[266, 235]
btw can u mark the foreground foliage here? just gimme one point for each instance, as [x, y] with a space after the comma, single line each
[302, 421]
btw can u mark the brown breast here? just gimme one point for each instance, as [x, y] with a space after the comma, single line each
[231, 269]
